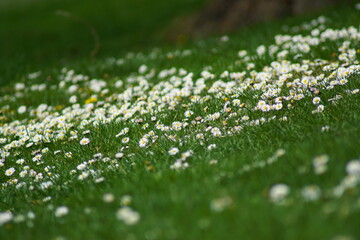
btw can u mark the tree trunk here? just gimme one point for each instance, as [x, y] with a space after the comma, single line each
[222, 16]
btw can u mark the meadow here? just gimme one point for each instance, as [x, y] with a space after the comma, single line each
[251, 135]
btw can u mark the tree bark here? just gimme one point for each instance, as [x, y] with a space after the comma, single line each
[222, 16]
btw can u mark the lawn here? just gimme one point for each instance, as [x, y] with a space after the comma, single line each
[252, 135]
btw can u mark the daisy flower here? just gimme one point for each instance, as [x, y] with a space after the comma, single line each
[143, 142]
[128, 216]
[61, 211]
[311, 193]
[10, 171]
[173, 151]
[278, 192]
[84, 141]
[316, 100]
[108, 197]
[188, 113]
[353, 167]
[5, 217]
[21, 109]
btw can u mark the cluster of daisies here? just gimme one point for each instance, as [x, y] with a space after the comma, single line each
[124, 213]
[173, 107]
[280, 192]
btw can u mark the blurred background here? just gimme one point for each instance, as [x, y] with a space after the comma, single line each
[35, 33]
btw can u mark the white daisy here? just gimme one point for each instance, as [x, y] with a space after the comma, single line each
[173, 151]
[61, 211]
[10, 171]
[84, 141]
[278, 192]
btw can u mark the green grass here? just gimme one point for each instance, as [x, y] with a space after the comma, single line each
[34, 35]
[175, 204]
